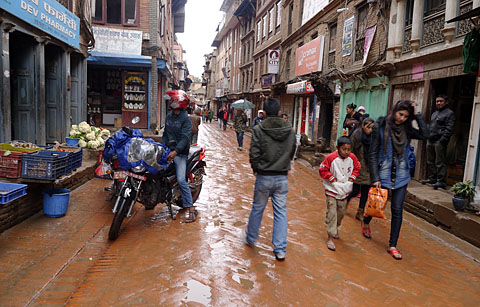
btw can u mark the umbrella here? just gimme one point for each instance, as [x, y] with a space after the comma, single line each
[242, 104]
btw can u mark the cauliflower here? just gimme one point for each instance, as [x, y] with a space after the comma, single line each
[105, 132]
[74, 127]
[74, 132]
[84, 127]
[91, 136]
[100, 141]
[82, 143]
[92, 144]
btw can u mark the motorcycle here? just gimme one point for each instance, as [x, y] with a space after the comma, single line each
[151, 183]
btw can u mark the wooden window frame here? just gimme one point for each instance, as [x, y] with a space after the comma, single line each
[122, 15]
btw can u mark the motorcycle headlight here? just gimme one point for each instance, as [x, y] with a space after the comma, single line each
[138, 169]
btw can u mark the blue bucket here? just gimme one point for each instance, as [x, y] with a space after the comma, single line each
[55, 202]
[72, 141]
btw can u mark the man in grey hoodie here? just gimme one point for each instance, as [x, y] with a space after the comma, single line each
[271, 150]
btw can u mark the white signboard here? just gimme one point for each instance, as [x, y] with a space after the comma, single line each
[273, 57]
[117, 41]
[311, 8]
[219, 92]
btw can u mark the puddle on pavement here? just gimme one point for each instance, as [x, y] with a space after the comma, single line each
[198, 292]
[239, 224]
[247, 284]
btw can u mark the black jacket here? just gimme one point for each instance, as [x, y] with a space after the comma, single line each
[442, 125]
[178, 128]
[272, 147]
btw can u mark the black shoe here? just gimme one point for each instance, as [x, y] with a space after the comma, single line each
[280, 256]
[427, 181]
[439, 185]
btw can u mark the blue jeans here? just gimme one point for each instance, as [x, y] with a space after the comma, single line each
[240, 139]
[194, 138]
[398, 196]
[180, 169]
[275, 187]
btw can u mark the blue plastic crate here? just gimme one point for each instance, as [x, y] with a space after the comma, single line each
[45, 164]
[74, 157]
[11, 191]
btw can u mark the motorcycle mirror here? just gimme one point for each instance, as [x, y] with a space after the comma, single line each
[135, 120]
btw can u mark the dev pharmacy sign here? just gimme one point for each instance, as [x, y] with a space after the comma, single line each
[48, 16]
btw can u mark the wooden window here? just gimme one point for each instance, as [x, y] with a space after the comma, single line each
[271, 16]
[279, 13]
[287, 65]
[362, 13]
[434, 6]
[264, 25]
[290, 18]
[332, 45]
[259, 30]
[116, 12]
[161, 23]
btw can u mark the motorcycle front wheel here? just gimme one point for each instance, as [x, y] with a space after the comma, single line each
[118, 219]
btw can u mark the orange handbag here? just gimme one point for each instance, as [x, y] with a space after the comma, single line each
[376, 203]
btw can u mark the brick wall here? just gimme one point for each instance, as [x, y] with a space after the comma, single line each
[336, 112]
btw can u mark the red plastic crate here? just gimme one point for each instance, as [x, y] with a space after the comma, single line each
[11, 165]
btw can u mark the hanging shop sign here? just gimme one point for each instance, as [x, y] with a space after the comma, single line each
[48, 16]
[119, 41]
[311, 8]
[369, 34]
[268, 80]
[219, 92]
[417, 71]
[302, 87]
[347, 40]
[310, 57]
[273, 61]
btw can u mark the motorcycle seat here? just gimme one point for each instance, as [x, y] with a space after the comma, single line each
[194, 152]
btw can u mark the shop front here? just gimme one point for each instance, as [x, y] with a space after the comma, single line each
[119, 79]
[304, 110]
[44, 71]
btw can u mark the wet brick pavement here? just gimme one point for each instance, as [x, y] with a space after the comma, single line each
[158, 261]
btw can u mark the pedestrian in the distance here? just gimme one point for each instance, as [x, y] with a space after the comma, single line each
[351, 119]
[196, 121]
[204, 114]
[210, 115]
[284, 116]
[240, 125]
[389, 167]
[339, 170]
[225, 118]
[441, 129]
[271, 150]
[260, 117]
[361, 139]
[220, 114]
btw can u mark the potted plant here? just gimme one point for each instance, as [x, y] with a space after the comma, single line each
[463, 194]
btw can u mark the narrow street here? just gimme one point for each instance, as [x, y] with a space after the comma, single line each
[159, 261]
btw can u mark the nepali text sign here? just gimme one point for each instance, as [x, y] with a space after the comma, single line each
[48, 16]
[273, 61]
[268, 80]
[302, 87]
[311, 8]
[369, 34]
[117, 41]
[310, 57]
[347, 41]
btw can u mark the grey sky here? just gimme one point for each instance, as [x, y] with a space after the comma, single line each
[201, 21]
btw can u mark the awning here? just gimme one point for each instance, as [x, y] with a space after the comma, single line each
[119, 60]
[472, 13]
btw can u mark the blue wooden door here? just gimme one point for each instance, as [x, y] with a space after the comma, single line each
[55, 117]
[76, 81]
[24, 106]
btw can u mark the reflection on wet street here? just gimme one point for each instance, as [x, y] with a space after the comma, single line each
[158, 261]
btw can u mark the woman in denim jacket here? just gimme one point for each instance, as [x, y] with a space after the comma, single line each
[389, 168]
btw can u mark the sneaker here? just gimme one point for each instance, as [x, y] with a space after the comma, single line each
[240, 148]
[439, 185]
[244, 239]
[427, 181]
[280, 256]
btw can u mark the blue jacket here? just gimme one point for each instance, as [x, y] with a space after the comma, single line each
[391, 171]
[178, 128]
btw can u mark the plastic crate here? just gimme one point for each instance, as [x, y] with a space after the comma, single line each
[45, 164]
[11, 191]
[74, 157]
[11, 160]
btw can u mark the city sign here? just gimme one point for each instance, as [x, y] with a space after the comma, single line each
[273, 57]
[48, 16]
[310, 57]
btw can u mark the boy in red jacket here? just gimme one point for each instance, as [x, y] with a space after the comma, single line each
[339, 170]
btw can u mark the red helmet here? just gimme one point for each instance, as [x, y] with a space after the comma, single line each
[179, 99]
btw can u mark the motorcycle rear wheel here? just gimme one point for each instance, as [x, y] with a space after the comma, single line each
[118, 219]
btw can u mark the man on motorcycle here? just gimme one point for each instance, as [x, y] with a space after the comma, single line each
[178, 128]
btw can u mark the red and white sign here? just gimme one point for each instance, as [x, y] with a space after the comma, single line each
[302, 87]
[310, 57]
[273, 57]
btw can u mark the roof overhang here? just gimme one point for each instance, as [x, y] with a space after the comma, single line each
[246, 8]
[179, 20]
